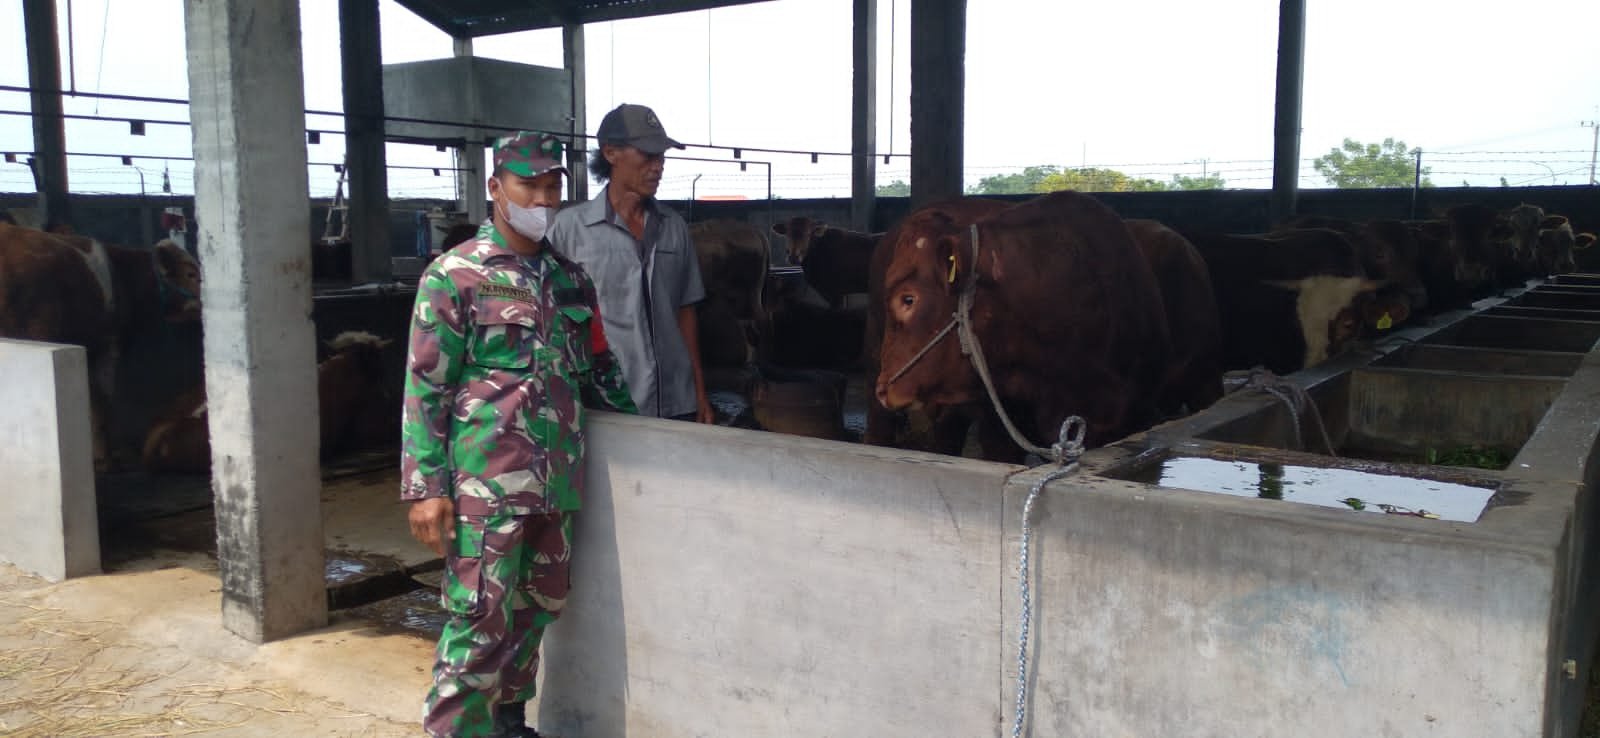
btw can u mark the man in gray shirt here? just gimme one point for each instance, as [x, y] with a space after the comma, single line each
[643, 265]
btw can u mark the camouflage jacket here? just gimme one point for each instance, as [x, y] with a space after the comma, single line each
[505, 352]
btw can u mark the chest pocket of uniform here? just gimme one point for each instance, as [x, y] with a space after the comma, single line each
[575, 324]
[507, 335]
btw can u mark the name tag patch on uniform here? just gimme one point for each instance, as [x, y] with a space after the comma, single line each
[509, 292]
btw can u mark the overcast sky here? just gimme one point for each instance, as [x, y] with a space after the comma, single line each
[1150, 87]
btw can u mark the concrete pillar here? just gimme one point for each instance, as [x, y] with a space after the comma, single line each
[471, 176]
[367, 174]
[47, 493]
[938, 86]
[246, 96]
[49, 128]
[573, 48]
[1286, 125]
[864, 116]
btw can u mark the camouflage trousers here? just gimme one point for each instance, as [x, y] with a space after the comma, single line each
[506, 579]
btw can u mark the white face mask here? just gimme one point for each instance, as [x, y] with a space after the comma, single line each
[530, 222]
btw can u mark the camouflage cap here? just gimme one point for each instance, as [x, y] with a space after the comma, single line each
[528, 154]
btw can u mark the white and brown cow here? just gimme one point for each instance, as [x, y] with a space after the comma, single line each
[64, 288]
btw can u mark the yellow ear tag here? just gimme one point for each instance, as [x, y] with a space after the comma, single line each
[1385, 322]
[952, 278]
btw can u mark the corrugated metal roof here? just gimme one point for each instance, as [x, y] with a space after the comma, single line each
[470, 18]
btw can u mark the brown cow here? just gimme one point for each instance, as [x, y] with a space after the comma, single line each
[1066, 309]
[356, 411]
[1194, 379]
[179, 439]
[835, 261]
[75, 290]
[734, 260]
[1557, 243]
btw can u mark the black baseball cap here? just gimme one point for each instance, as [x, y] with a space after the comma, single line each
[636, 126]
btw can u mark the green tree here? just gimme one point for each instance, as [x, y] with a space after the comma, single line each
[1096, 179]
[1357, 165]
[1206, 182]
[1023, 183]
[897, 188]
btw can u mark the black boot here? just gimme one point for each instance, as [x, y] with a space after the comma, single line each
[511, 721]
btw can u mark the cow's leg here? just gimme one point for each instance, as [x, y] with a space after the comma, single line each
[102, 386]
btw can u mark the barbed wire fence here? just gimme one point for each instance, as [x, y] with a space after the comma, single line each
[140, 163]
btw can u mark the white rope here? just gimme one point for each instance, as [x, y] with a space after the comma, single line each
[1068, 448]
[1294, 397]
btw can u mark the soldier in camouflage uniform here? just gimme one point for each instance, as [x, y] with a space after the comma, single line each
[506, 349]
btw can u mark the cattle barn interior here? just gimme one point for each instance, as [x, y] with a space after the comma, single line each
[1419, 487]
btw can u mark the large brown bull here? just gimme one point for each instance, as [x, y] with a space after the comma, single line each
[75, 290]
[943, 430]
[1064, 305]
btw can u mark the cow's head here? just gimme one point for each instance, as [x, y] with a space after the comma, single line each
[1556, 244]
[1525, 220]
[177, 282]
[1403, 265]
[930, 263]
[1478, 236]
[800, 231]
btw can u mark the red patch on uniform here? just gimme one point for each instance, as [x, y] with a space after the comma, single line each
[597, 335]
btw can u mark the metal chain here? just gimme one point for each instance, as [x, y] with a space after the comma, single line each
[1067, 449]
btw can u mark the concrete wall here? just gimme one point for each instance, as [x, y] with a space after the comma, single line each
[726, 583]
[473, 90]
[47, 489]
[1165, 612]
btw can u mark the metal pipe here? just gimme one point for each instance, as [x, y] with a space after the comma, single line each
[1286, 123]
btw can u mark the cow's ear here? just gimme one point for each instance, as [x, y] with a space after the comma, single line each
[781, 229]
[955, 259]
[819, 229]
[1584, 240]
[1552, 221]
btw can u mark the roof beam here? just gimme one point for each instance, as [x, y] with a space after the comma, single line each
[471, 18]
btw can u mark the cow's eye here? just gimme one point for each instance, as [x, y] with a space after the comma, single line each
[908, 300]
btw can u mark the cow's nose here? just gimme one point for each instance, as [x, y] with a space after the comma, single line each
[883, 394]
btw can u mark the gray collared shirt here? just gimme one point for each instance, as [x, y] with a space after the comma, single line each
[641, 319]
